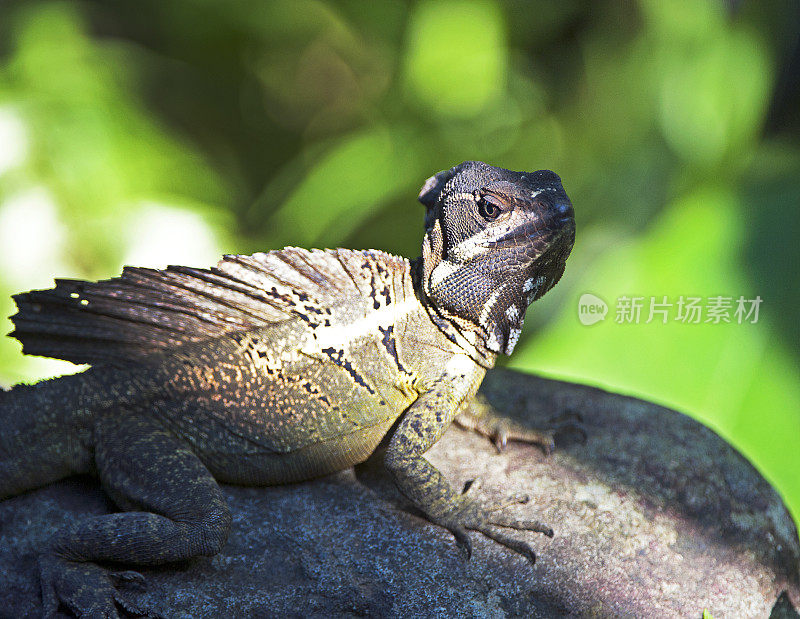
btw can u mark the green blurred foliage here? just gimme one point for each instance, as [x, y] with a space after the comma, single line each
[469, 39]
[161, 132]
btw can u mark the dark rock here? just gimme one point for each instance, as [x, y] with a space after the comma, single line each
[654, 515]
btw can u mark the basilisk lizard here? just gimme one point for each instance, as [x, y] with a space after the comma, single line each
[274, 368]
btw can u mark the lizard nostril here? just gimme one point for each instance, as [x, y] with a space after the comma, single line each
[565, 209]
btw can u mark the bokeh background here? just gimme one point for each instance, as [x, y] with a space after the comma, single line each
[149, 132]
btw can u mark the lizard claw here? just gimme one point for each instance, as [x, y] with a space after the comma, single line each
[500, 440]
[471, 488]
[462, 539]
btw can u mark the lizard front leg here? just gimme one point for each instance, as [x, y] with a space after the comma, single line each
[181, 513]
[420, 427]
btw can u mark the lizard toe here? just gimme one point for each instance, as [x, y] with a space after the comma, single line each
[511, 431]
[518, 546]
[520, 524]
[495, 515]
[518, 498]
[129, 578]
[86, 589]
[462, 538]
[489, 519]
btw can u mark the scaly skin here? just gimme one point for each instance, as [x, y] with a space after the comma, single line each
[274, 368]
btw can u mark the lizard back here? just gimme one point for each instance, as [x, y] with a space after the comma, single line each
[271, 354]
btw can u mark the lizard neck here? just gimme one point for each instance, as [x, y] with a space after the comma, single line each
[480, 295]
[466, 334]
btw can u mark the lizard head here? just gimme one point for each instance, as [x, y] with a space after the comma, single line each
[495, 241]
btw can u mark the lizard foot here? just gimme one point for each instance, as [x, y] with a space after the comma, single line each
[87, 589]
[482, 418]
[489, 520]
[506, 430]
[500, 430]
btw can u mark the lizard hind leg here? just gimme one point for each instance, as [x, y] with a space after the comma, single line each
[182, 514]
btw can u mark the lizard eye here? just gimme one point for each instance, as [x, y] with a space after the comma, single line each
[489, 207]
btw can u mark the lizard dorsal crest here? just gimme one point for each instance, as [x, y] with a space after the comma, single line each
[148, 311]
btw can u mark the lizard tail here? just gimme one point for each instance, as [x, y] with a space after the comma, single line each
[40, 441]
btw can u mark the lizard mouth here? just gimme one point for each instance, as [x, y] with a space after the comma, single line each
[540, 242]
[551, 261]
[559, 244]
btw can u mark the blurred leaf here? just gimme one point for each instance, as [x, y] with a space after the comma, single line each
[351, 182]
[714, 91]
[456, 58]
[683, 19]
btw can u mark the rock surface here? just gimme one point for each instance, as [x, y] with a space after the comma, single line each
[654, 516]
